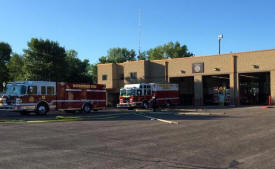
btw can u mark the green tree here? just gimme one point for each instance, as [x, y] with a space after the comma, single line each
[103, 60]
[45, 60]
[156, 53]
[118, 55]
[5, 54]
[15, 67]
[169, 50]
[93, 72]
[77, 70]
[142, 56]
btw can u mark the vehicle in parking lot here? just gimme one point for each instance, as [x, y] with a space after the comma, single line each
[41, 96]
[144, 94]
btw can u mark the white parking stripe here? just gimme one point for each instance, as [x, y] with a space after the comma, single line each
[161, 120]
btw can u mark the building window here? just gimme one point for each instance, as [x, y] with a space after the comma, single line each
[133, 75]
[104, 77]
[121, 76]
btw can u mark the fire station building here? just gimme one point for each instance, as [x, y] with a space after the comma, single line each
[247, 77]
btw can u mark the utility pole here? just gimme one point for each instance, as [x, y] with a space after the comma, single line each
[139, 32]
[220, 38]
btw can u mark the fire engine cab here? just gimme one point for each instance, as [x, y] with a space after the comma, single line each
[41, 96]
[142, 95]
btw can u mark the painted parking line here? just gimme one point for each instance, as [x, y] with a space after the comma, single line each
[158, 119]
[201, 114]
[61, 118]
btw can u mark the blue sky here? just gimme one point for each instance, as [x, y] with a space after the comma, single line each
[91, 27]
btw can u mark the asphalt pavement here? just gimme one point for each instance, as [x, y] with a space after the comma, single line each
[205, 138]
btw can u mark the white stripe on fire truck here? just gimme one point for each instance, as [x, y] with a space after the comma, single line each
[25, 104]
[157, 99]
[79, 90]
[172, 98]
[73, 101]
[61, 101]
[96, 91]
[73, 90]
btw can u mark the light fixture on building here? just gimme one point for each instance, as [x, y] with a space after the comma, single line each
[183, 71]
[217, 69]
[220, 38]
[256, 66]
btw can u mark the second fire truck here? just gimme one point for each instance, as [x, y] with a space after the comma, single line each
[41, 96]
[142, 95]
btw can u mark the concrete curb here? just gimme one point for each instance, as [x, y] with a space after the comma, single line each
[266, 107]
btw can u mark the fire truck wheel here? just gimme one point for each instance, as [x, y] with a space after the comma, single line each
[86, 108]
[42, 109]
[145, 105]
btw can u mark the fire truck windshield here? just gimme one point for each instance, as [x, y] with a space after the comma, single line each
[127, 92]
[122, 92]
[15, 90]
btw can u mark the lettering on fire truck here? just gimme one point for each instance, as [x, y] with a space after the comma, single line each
[41, 96]
[142, 95]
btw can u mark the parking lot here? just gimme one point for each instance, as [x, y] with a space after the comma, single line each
[187, 138]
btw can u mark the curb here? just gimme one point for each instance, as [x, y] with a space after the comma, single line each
[266, 107]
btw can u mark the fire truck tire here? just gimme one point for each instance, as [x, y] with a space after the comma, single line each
[145, 105]
[42, 109]
[86, 108]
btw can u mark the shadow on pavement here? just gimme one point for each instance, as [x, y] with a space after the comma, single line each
[13, 117]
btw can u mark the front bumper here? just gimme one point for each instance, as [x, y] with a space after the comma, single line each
[16, 108]
[126, 105]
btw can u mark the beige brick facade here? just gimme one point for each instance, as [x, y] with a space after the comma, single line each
[164, 70]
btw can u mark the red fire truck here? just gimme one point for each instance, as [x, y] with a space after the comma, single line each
[142, 95]
[41, 96]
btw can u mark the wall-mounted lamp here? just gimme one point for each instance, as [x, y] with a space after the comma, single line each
[217, 69]
[256, 66]
[183, 71]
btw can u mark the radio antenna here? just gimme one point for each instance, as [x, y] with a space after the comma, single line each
[139, 32]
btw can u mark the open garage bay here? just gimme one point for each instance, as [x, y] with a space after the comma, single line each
[254, 88]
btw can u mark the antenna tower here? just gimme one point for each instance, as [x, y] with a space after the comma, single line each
[139, 32]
